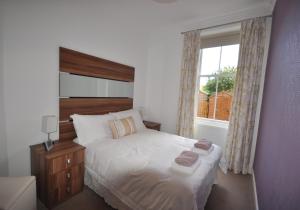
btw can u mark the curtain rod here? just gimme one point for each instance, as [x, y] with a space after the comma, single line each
[224, 24]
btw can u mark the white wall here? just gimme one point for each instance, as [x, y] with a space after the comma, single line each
[33, 31]
[163, 78]
[3, 147]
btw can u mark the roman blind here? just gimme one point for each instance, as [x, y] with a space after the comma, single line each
[222, 39]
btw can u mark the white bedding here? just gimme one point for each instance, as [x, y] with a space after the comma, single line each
[137, 170]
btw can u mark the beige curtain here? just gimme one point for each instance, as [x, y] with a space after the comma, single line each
[247, 85]
[189, 67]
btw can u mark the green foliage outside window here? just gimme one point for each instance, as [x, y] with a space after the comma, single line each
[226, 78]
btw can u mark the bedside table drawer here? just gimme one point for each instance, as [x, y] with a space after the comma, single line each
[59, 172]
[77, 157]
[57, 164]
[63, 162]
[66, 183]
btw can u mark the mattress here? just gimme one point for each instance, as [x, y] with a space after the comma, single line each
[135, 172]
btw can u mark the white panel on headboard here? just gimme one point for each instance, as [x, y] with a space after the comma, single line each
[82, 86]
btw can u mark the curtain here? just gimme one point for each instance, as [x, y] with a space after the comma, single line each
[189, 68]
[246, 90]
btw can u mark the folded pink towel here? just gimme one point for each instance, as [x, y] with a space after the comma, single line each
[187, 158]
[203, 144]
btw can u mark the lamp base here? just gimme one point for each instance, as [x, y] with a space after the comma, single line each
[48, 145]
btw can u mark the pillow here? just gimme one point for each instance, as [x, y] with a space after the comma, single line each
[91, 127]
[122, 127]
[135, 114]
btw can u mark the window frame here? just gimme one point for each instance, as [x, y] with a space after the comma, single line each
[199, 76]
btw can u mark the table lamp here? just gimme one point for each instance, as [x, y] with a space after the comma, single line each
[49, 125]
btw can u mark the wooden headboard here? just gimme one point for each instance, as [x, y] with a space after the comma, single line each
[82, 64]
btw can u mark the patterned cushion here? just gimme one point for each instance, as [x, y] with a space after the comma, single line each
[122, 127]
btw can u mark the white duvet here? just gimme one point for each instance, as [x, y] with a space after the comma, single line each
[137, 170]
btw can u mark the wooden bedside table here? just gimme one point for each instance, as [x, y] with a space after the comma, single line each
[152, 125]
[59, 172]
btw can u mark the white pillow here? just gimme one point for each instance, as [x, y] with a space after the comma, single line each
[135, 114]
[92, 127]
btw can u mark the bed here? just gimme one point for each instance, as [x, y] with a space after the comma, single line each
[136, 173]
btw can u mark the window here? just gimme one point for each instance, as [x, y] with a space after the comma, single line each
[216, 81]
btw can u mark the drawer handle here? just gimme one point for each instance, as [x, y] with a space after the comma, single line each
[68, 189]
[68, 175]
[68, 161]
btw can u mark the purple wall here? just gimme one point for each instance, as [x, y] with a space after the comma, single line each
[277, 161]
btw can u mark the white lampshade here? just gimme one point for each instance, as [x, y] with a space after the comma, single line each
[49, 124]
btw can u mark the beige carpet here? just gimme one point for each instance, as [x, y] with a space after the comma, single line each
[232, 192]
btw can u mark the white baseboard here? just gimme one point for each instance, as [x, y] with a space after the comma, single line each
[254, 191]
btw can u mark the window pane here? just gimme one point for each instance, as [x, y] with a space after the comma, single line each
[230, 55]
[226, 79]
[223, 107]
[202, 98]
[210, 60]
[216, 90]
[219, 105]
[203, 82]
[212, 105]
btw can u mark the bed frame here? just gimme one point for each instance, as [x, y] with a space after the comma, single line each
[86, 65]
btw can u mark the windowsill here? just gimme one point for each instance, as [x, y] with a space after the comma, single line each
[212, 122]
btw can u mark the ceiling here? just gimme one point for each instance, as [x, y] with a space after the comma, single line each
[144, 16]
[182, 10]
